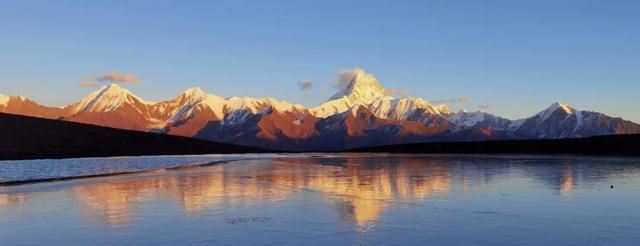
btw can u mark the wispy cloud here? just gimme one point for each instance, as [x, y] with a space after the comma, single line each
[459, 100]
[110, 77]
[483, 106]
[462, 100]
[345, 76]
[393, 91]
[118, 77]
[305, 85]
[89, 83]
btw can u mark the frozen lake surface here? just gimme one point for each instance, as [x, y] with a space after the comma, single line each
[323, 199]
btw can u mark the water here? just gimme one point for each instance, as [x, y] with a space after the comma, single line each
[26, 170]
[336, 200]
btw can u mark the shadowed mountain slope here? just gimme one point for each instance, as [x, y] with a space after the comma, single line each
[24, 137]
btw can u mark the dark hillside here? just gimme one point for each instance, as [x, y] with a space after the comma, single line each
[23, 137]
[599, 145]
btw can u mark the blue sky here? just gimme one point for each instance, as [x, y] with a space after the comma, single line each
[517, 57]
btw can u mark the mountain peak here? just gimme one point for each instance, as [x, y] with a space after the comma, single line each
[107, 98]
[443, 109]
[112, 89]
[555, 107]
[4, 99]
[359, 87]
[194, 94]
[114, 85]
[565, 107]
[193, 91]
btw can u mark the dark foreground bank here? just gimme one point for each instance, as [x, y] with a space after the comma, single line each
[600, 145]
[23, 137]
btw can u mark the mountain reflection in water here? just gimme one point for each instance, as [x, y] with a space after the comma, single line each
[358, 190]
[360, 187]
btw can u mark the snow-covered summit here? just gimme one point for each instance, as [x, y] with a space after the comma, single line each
[543, 115]
[480, 119]
[467, 119]
[197, 95]
[443, 109]
[107, 98]
[194, 97]
[283, 106]
[253, 105]
[4, 100]
[405, 107]
[363, 88]
[194, 92]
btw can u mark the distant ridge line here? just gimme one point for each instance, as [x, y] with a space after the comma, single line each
[623, 145]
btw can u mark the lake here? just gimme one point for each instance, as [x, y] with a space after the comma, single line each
[323, 199]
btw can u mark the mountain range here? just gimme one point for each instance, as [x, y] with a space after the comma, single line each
[361, 114]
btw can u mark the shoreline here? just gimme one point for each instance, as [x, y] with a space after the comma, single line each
[60, 179]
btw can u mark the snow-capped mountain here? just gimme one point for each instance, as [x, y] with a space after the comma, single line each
[478, 119]
[24, 106]
[4, 100]
[107, 99]
[365, 90]
[563, 121]
[360, 114]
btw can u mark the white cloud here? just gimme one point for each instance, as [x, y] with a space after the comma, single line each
[345, 77]
[110, 77]
[392, 91]
[89, 82]
[460, 100]
[118, 77]
[304, 85]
